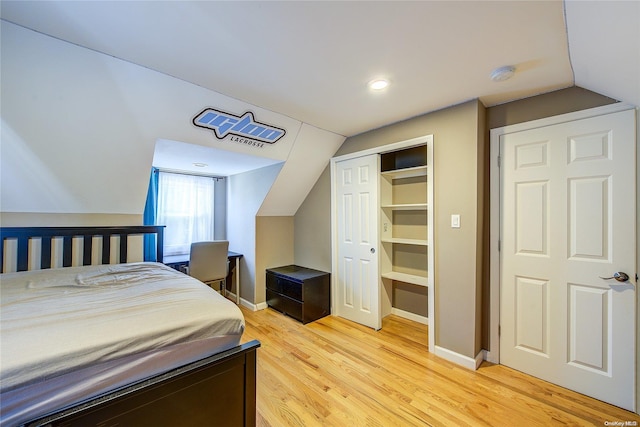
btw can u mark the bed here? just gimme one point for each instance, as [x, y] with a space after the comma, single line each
[119, 342]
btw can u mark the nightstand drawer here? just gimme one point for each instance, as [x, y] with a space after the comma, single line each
[284, 304]
[273, 283]
[292, 289]
[287, 287]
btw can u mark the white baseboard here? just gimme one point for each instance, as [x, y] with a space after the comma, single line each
[459, 359]
[260, 306]
[243, 302]
[479, 358]
[491, 357]
[252, 306]
[411, 316]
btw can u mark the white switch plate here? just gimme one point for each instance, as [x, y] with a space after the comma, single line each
[455, 221]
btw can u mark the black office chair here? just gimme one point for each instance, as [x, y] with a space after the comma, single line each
[209, 263]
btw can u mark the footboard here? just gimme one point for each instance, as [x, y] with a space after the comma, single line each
[219, 390]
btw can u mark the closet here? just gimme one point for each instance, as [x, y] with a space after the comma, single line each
[393, 224]
[405, 232]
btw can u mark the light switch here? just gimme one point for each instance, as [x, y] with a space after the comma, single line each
[455, 221]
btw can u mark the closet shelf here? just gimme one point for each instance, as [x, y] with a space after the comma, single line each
[416, 242]
[407, 207]
[407, 278]
[406, 173]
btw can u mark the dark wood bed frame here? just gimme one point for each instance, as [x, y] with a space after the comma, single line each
[218, 390]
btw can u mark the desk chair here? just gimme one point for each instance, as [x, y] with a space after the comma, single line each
[208, 262]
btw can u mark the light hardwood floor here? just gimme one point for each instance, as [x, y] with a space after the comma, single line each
[333, 372]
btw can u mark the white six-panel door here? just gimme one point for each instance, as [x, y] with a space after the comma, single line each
[357, 233]
[567, 222]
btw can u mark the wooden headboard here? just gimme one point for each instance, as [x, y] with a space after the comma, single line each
[45, 234]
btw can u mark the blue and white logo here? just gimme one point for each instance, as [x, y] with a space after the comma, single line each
[223, 124]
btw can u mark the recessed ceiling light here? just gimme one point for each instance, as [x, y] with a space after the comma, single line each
[200, 165]
[378, 84]
[501, 74]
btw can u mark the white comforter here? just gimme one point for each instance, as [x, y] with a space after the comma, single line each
[59, 320]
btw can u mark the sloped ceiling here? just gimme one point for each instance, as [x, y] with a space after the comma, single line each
[604, 41]
[311, 60]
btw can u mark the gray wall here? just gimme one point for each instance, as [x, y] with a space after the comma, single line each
[545, 105]
[461, 151]
[457, 179]
[312, 226]
[274, 248]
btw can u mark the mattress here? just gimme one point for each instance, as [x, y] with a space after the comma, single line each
[72, 333]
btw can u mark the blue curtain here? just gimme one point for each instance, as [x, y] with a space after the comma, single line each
[149, 217]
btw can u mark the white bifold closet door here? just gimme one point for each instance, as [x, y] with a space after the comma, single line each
[358, 298]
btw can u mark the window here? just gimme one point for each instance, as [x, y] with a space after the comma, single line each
[186, 208]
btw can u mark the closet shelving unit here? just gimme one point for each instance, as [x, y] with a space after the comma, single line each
[405, 236]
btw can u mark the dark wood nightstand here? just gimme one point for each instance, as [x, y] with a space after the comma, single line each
[300, 292]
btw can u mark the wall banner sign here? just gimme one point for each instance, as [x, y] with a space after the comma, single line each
[240, 129]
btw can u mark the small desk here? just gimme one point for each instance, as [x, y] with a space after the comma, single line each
[177, 261]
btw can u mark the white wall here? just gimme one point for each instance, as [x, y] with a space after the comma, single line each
[79, 127]
[244, 198]
[309, 156]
